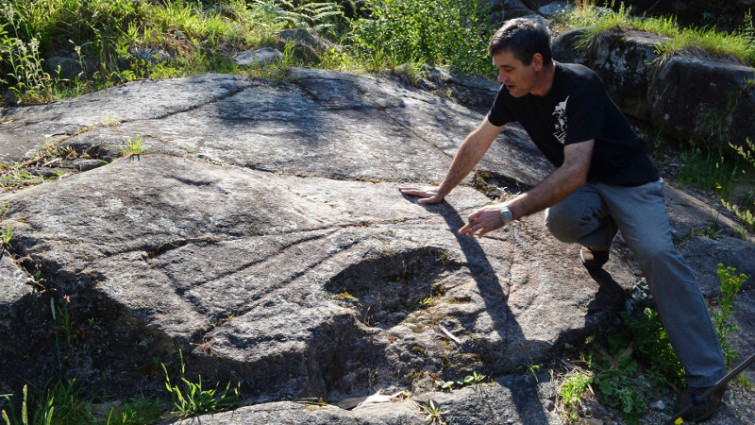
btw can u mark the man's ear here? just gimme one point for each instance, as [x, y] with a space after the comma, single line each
[537, 61]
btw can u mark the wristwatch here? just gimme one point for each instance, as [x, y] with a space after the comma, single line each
[506, 214]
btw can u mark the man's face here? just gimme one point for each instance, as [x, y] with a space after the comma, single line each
[518, 78]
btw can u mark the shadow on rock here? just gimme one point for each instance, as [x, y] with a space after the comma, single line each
[495, 300]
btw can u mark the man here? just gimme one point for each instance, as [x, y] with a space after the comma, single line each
[604, 182]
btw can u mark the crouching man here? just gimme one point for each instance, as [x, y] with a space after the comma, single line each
[604, 182]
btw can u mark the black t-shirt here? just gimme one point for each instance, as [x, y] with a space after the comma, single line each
[578, 109]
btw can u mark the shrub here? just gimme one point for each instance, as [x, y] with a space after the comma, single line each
[434, 32]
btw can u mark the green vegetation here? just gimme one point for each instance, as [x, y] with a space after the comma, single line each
[708, 40]
[730, 287]
[709, 168]
[641, 351]
[730, 179]
[67, 402]
[434, 32]
[433, 413]
[133, 147]
[136, 412]
[105, 34]
[640, 348]
[16, 176]
[104, 37]
[573, 388]
[474, 378]
[6, 235]
[532, 369]
[10, 418]
[190, 398]
[747, 212]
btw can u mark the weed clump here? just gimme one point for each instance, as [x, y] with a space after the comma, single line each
[638, 362]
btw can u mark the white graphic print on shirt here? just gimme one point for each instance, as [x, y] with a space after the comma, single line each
[559, 113]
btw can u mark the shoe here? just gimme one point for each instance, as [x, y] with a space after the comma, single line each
[695, 409]
[593, 260]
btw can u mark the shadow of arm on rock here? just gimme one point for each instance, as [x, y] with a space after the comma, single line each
[495, 299]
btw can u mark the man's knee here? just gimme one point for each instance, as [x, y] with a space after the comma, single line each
[564, 223]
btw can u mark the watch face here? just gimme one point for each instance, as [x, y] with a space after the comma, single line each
[506, 214]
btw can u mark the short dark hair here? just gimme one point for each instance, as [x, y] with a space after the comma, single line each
[523, 37]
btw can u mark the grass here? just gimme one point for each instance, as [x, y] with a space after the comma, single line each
[103, 34]
[133, 147]
[200, 38]
[473, 379]
[731, 179]
[190, 398]
[714, 171]
[698, 172]
[707, 40]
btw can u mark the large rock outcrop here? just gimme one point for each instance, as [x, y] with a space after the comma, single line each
[261, 233]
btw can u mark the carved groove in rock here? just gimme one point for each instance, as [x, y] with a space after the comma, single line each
[383, 290]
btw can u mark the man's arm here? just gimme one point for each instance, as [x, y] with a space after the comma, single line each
[567, 178]
[469, 154]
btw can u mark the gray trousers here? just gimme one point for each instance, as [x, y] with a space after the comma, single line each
[593, 214]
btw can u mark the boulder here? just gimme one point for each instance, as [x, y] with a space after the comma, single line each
[150, 55]
[568, 47]
[703, 99]
[536, 4]
[554, 8]
[260, 233]
[625, 61]
[13, 282]
[727, 15]
[508, 400]
[474, 92]
[502, 10]
[304, 44]
[63, 67]
[260, 57]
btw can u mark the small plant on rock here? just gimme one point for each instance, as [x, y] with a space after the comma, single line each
[133, 147]
[574, 386]
[473, 379]
[6, 235]
[433, 413]
[191, 398]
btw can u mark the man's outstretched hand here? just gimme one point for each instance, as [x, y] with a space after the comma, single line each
[427, 195]
[482, 221]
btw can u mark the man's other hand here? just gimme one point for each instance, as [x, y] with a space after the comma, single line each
[482, 221]
[427, 195]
